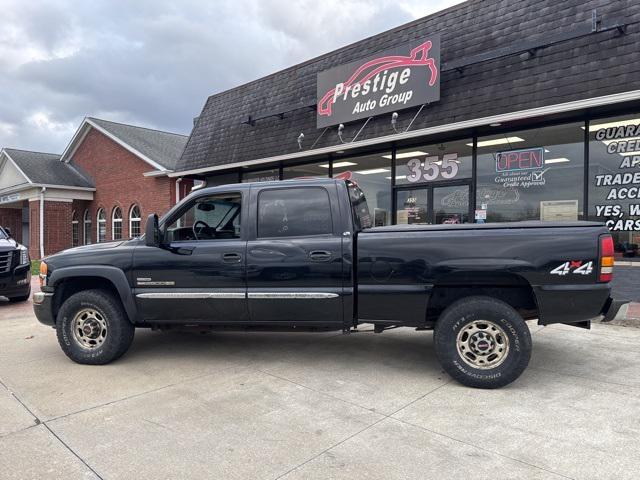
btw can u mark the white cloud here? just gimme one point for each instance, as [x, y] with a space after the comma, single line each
[154, 62]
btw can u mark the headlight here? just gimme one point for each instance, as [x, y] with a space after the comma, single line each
[43, 274]
[24, 256]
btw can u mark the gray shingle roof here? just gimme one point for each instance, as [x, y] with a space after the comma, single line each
[163, 148]
[46, 168]
[594, 65]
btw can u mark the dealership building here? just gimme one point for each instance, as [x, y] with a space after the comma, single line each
[489, 111]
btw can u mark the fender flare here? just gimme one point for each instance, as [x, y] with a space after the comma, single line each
[114, 275]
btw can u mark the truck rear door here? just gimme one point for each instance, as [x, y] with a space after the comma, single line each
[294, 255]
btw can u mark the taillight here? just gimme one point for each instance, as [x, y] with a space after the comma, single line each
[606, 258]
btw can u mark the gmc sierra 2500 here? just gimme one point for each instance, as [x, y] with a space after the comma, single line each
[303, 255]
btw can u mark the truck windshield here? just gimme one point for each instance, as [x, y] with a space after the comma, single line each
[3, 234]
[361, 215]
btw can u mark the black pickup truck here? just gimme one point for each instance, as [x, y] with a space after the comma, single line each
[303, 255]
[15, 268]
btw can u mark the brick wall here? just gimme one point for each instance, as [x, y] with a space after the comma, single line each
[12, 218]
[57, 227]
[119, 181]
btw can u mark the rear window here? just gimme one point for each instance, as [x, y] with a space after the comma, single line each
[294, 212]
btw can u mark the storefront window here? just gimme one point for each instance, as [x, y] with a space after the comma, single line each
[614, 183]
[531, 175]
[308, 170]
[437, 162]
[261, 175]
[413, 206]
[372, 174]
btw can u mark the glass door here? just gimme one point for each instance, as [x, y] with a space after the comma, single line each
[433, 204]
[451, 204]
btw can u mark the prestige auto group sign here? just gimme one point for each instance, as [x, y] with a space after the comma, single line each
[399, 78]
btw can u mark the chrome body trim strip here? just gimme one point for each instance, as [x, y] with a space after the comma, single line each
[291, 295]
[191, 295]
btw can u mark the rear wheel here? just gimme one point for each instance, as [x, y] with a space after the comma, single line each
[482, 342]
[93, 328]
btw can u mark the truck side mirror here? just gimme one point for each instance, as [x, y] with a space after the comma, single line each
[8, 230]
[152, 231]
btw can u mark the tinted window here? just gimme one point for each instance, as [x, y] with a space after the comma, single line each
[294, 212]
[208, 218]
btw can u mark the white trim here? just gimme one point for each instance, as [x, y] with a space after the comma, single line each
[501, 118]
[71, 148]
[75, 142]
[157, 173]
[6, 154]
[26, 186]
[61, 200]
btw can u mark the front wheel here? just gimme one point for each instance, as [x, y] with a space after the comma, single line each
[482, 342]
[93, 328]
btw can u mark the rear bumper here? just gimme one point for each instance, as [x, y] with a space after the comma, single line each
[43, 308]
[574, 303]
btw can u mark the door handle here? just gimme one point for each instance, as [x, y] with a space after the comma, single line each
[231, 257]
[320, 255]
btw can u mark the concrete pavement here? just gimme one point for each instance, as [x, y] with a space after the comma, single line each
[314, 406]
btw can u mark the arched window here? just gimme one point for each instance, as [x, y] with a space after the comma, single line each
[87, 227]
[134, 221]
[116, 224]
[102, 225]
[75, 230]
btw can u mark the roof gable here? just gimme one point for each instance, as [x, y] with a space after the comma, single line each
[161, 150]
[38, 168]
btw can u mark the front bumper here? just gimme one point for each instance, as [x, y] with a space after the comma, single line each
[16, 283]
[43, 308]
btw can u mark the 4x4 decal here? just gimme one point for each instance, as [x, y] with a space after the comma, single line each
[578, 267]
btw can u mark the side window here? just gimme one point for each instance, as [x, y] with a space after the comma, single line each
[294, 212]
[208, 218]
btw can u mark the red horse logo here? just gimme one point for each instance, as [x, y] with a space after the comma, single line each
[418, 57]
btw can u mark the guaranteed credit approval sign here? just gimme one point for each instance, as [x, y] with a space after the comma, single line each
[399, 78]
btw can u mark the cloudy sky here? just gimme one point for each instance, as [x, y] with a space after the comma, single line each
[154, 62]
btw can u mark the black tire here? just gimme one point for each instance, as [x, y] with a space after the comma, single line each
[486, 326]
[113, 328]
[21, 298]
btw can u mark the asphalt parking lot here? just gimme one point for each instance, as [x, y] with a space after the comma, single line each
[314, 406]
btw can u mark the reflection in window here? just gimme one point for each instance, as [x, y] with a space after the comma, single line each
[293, 212]
[309, 170]
[532, 174]
[413, 206]
[373, 175]
[261, 175]
[614, 183]
[437, 162]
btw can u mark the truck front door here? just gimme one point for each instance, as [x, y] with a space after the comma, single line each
[198, 273]
[295, 271]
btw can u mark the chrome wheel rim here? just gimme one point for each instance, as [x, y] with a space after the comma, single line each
[482, 344]
[89, 328]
